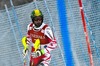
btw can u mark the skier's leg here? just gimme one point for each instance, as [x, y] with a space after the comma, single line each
[31, 64]
[44, 63]
[46, 60]
[41, 64]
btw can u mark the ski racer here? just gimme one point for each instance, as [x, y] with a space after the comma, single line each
[39, 30]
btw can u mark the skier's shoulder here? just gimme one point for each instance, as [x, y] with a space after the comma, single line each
[48, 30]
[45, 26]
[29, 26]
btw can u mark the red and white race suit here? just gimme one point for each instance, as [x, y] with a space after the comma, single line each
[47, 42]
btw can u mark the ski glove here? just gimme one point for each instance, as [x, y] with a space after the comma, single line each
[25, 53]
[41, 64]
[37, 53]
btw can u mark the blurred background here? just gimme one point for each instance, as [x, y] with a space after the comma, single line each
[66, 20]
[15, 2]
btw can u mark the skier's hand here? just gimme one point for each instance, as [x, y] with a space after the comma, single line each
[41, 64]
[25, 52]
[37, 53]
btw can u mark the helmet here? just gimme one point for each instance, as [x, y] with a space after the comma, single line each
[36, 13]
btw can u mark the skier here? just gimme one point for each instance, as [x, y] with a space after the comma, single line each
[39, 30]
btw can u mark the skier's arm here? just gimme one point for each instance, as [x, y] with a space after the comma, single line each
[26, 41]
[28, 38]
[52, 41]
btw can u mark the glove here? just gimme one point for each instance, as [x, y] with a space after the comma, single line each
[25, 53]
[41, 64]
[37, 53]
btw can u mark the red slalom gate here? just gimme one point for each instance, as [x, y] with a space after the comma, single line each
[86, 32]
